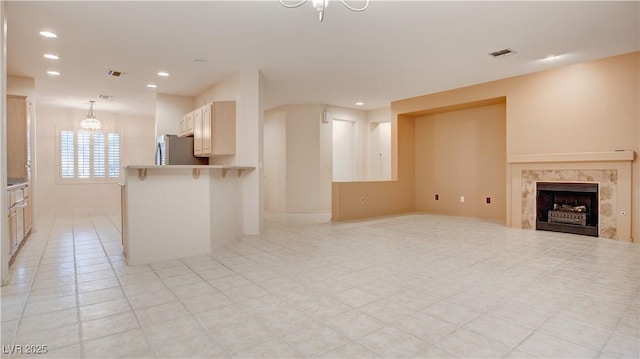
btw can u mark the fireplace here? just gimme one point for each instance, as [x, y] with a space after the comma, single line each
[567, 207]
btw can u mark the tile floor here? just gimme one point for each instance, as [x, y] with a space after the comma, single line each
[414, 286]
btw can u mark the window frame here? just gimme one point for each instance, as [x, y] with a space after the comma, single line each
[91, 179]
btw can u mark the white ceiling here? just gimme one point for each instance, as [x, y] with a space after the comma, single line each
[391, 51]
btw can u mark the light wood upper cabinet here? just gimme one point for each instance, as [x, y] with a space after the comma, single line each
[17, 138]
[186, 125]
[218, 136]
[197, 132]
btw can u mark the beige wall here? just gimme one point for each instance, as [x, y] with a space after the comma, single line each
[137, 148]
[378, 155]
[591, 106]
[275, 161]
[169, 110]
[246, 88]
[462, 153]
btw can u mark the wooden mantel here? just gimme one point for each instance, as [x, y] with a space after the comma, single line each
[611, 156]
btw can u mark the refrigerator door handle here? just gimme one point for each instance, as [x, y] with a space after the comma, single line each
[159, 154]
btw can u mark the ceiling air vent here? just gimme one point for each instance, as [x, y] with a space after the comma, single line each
[115, 73]
[502, 53]
[105, 97]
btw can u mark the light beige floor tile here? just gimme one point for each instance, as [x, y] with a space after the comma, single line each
[434, 351]
[315, 339]
[244, 293]
[272, 348]
[356, 297]
[576, 332]
[387, 311]
[100, 296]
[97, 285]
[49, 320]
[223, 317]
[49, 305]
[391, 342]
[284, 320]
[354, 324]
[426, 327]
[350, 350]
[200, 346]
[504, 331]
[621, 347]
[546, 345]
[519, 314]
[466, 343]
[322, 307]
[109, 325]
[161, 313]
[206, 302]
[451, 312]
[152, 298]
[174, 330]
[60, 337]
[193, 290]
[241, 335]
[103, 309]
[127, 344]
[8, 331]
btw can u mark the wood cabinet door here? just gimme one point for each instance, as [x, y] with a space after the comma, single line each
[197, 132]
[182, 128]
[207, 128]
[17, 137]
[189, 124]
[13, 232]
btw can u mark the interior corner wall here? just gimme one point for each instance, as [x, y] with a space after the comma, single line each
[138, 147]
[462, 153]
[307, 167]
[246, 89]
[169, 110]
[275, 161]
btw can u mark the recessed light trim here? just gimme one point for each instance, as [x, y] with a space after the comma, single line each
[53, 73]
[163, 74]
[152, 86]
[48, 34]
[51, 56]
[359, 103]
[551, 57]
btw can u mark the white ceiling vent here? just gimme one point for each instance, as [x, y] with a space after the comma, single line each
[115, 73]
[502, 53]
[105, 97]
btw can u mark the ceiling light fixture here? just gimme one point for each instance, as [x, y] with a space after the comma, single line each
[51, 56]
[359, 103]
[91, 122]
[48, 34]
[53, 73]
[552, 57]
[321, 5]
[163, 74]
[152, 86]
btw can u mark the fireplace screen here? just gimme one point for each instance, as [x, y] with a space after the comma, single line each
[567, 207]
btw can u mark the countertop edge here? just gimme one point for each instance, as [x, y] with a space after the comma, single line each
[140, 167]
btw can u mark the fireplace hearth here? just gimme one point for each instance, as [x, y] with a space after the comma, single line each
[567, 207]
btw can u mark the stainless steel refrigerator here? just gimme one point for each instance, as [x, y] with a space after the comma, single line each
[174, 150]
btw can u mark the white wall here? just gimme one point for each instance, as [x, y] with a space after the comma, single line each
[378, 153]
[275, 161]
[246, 89]
[4, 231]
[169, 110]
[138, 145]
[306, 186]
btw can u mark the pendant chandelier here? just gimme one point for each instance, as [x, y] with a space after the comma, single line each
[91, 122]
[321, 5]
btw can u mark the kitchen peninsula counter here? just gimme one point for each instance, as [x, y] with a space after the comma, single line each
[176, 211]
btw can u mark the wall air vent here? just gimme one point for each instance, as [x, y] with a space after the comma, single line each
[502, 53]
[115, 73]
[105, 97]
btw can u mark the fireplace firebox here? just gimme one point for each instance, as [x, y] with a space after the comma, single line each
[567, 207]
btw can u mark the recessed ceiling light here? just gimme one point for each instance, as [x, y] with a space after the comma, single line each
[53, 73]
[200, 60]
[152, 86]
[163, 74]
[48, 34]
[51, 56]
[552, 57]
[359, 103]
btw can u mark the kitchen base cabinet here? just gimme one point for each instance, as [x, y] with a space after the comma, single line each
[13, 232]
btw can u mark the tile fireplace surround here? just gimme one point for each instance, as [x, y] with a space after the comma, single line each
[611, 170]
